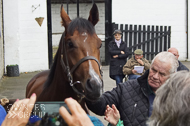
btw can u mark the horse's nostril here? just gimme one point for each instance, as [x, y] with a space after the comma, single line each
[89, 85]
[93, 88]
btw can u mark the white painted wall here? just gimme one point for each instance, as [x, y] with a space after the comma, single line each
[84, 9]
[155, 12]
[189, 29]
[25, 41]
[1, 44]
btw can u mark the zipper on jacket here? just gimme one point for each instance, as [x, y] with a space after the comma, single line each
[134, 110]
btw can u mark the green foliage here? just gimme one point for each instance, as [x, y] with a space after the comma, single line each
[12, 65]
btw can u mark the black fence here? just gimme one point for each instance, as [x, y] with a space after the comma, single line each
[151, 39]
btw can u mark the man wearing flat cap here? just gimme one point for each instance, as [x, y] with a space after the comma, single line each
[130, 68]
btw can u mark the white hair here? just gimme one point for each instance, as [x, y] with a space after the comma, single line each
[171, 105]
[166, 57]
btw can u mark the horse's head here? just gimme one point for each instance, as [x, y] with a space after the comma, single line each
[81, 51]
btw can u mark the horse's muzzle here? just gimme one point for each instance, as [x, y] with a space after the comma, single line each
[93, 89]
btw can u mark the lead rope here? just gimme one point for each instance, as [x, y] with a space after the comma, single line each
[67, 71]
[66, 67]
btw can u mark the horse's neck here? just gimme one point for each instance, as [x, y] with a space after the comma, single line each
[59, 89]
[60, 84]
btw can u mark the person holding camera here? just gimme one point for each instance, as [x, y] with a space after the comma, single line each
[19, 113]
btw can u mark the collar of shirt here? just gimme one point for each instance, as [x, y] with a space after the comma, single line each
[150, 91]
[118, 43]
[151, 96]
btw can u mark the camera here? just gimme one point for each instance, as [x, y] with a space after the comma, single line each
[47, 114]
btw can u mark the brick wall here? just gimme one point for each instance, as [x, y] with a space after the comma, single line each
[84, 10]
[155, 12]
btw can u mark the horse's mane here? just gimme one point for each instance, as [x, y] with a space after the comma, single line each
[53, 67]
[79, 24]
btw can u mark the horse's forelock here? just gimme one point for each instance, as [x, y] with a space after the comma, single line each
[81, 25]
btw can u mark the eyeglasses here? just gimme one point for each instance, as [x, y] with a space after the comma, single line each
[176, 55]
[117, 35]
[138, 55]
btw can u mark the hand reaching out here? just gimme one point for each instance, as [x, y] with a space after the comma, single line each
[78, 117]
[112, 115]
[20, 112]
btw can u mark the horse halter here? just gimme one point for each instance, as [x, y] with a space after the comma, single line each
[69, 72]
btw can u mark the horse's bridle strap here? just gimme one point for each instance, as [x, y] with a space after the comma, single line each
[69, 72]
[82, 60]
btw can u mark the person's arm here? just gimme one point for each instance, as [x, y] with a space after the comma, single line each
[146, 65]
[112, 51]
[107, 98]
[2, 114]
[127, 68]
[78, 116]
[126, 53]
[20, 112]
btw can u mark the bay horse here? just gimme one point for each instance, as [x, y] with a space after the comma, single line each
[76, 68]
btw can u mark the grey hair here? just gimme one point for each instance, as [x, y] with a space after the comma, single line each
[166, 57]
[171, 105]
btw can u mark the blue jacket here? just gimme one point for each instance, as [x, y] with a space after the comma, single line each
[2, 114]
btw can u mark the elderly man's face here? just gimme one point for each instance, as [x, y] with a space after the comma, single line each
[117, 36]
[174, 51]
[137, 56]
[159, 73]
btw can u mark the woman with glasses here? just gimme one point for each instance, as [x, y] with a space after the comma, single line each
[118, 54]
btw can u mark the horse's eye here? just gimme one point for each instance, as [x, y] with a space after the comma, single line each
[70, 44]
[100, 45]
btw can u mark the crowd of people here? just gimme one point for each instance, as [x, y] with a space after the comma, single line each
[156, 96]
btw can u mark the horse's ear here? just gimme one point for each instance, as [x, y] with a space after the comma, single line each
[94, 15]
[65, 18]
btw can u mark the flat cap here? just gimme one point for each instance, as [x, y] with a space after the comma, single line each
[138, 52]
[117, 31]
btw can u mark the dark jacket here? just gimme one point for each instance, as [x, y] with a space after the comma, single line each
[116, 64]
[130, 98]
[182, 67]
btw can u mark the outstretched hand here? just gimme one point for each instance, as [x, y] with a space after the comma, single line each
[20, 112]
[78, 117]
[112, 115]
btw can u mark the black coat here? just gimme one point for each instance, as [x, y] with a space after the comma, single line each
[182, 67]
[116, 64]
[130, 98]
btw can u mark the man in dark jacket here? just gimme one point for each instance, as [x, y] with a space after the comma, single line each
[134, 98]
[176, 54]
[118, 55]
